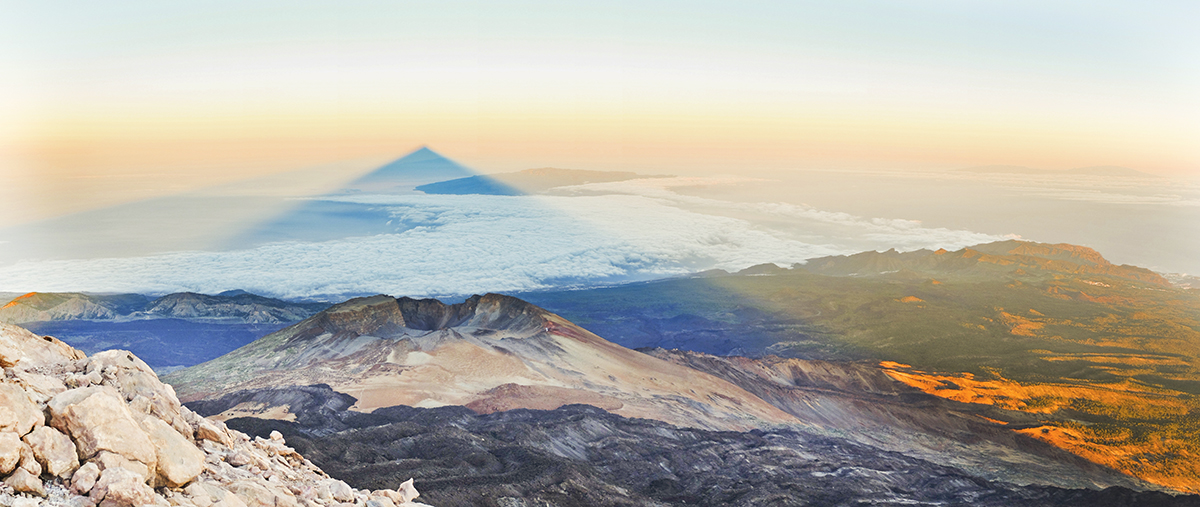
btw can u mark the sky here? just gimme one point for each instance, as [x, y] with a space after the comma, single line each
[144, 146]
[114, 102]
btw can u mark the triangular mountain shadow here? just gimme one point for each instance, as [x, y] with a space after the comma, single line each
[215, 219]
[324, 220]
[401, 175]
[529, 181]
[481, 184]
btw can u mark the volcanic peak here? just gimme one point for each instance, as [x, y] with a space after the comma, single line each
[382, 316]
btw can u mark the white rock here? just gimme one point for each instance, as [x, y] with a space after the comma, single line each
[28, 461]
[407, 491]
[54, 451]
[85, 478]
[177, 458]
[119, 487]
[340, 491]
[230, 501]
[121, 359]
[25, 502]
[321, 491]
[17, 412]
[256, 494]
[209, 430]
[205, 493]
[239, 458]
[26, 482]
[380, 501]
[40, 388]
[94, 378]
[108, 460]
[135, 379]
[20, 347]
[132, 433]
[10, 451]
[98, 420]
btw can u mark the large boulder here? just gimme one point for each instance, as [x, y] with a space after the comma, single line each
[40, 388]
[99, 420]
[26, 482]
[17, 412]
[85, 478]
[108, 460]
[28, 462]
[54, 451]
[207, 430]
[139, 385]
[340, 491]
[119, 487]
[20, 347]
[10, 451]
[257, 494]
[179, 460]
[408, 492]
[207, 494]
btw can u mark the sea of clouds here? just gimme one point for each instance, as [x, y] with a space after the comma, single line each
[457, 245]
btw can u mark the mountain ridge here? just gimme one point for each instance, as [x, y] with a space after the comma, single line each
[241, 307]
[1009, 256]
[1103, 356]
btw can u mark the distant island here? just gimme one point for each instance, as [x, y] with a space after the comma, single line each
[1099, 170]
[529, 181]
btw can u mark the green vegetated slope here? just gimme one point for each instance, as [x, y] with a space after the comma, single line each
[1109, 354]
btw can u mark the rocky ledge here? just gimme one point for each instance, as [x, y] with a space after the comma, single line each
[83, 431]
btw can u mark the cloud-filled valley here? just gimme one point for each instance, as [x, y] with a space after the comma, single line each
[462, 244]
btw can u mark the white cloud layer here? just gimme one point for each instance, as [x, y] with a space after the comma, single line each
[473, 244]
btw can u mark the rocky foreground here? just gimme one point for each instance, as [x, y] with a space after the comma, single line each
[103, 430]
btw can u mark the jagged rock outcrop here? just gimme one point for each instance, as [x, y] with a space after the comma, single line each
[80, 432]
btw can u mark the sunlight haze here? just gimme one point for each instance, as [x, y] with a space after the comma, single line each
[169, 97]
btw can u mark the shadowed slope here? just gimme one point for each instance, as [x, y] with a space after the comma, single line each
[578, 456]
[861, 402]
[1105, 356]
